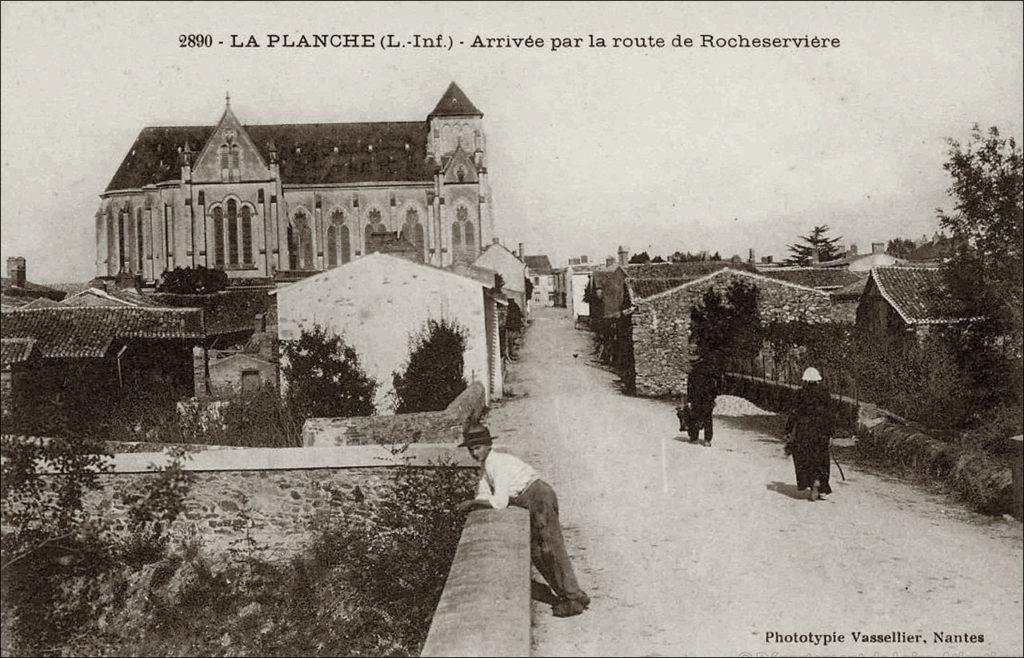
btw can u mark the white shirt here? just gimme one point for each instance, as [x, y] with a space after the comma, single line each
[503, 477]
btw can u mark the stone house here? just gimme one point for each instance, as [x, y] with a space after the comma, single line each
[660, 321]
[260, 200]
[379, 301]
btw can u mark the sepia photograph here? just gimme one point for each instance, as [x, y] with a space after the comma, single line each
[512, 329]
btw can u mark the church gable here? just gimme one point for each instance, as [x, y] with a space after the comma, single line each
[460, 168]
[229, 154]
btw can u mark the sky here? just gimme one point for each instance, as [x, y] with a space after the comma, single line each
[658, 149]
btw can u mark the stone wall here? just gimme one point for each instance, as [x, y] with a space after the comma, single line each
[662, 351]
[422, 427]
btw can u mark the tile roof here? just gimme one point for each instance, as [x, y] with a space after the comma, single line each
[42, 302]
[538, 264]
[917, 293]
[851, 292]
[643, 288]
[308, 153]
[688, 271]
[82, 332]
[225, 312]
[110, 297]
[821, 278]
[15, 350]
[455, 103]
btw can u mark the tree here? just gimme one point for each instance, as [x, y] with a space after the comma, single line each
[640, 259]
[727, 327]
[657, 259]
[826, 247]
[433, 376]
[324, 376]
[192, 281]
[900, 247]
[985, 271]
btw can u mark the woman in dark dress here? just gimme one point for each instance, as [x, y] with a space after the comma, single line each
[808, 432]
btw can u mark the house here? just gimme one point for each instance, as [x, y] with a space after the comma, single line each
[541, 275]
[497, 258]
[255, 200]
[379, 301]
[901, 300]
[578, 279]
[91, 355]
[560, 287]
[659, 338]
[16, 290]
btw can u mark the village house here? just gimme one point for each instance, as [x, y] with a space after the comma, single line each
[259, 201]
[901, 301]
[497, 258]
[378, 302]
[542, 276]
[578, 279]
[90, 355]
[659, 338]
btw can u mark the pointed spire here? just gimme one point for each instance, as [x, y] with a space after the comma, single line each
[455, 103]
[227, 99]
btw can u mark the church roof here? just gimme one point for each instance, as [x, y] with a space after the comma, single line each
[308, 153]
[455, 103]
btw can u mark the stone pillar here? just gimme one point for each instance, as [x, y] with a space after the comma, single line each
[200, 372]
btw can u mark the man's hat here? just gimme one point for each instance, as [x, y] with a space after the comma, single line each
[476, 435]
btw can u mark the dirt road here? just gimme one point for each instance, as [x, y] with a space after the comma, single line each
[692, 550]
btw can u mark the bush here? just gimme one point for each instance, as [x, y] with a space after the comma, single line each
[325, 378]
[192, 281]
[433, 375]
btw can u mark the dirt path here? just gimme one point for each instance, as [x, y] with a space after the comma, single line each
[691, 550]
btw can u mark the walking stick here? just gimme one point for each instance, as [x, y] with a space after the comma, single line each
[832, 454]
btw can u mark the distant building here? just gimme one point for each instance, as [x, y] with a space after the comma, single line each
[16, 290]
[499, 259]
[542, 275]
[256, 200]
[900, 300]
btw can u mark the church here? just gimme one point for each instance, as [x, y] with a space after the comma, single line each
[266, 201]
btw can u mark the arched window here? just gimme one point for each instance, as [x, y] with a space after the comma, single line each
[293, 249]
[232, 232]
[345, 243]
[460, 173]
[470, 236]
[112, 240]
[218, 237]
[306, 242]
[301, 242]
[139, 241]
[418, 239]
[413, 230]
[332, 247]
[224, 162]
[235, 159]
[122, 255]
[367, 238]
[247, 235]
[456, 240]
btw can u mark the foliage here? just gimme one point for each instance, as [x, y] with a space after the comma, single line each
[192, 281]
[985, 273]
[154, 507]
[726, 327]
[324, 377]
[688, 257]
[900, 247]
[433, 375]
[818, 240]
[640, 259]
[499, 283]
[528, 287]
[514, 318]
[657, 259]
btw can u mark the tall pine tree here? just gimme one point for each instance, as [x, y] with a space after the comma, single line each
[826, 247]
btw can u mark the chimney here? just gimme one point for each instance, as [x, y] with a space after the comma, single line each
[16, 271]
[750, 257]
[853, 250]
[522, 251]
[623, 255]
[878, 247]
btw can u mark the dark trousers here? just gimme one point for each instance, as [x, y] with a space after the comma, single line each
[702, 419]
[547, 548]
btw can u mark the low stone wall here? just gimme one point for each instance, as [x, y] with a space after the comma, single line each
[427, 426]
[485, 606]
[780, 398]
[268, 497]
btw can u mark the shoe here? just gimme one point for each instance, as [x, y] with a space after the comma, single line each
[822, 496]
[814, 492]
[568, 608]
[584, 599]
[707, 444]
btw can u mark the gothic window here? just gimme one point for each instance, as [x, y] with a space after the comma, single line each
[374, 216]
[413, 230]
[300, 242]
[139, 243]
[332, 247]
[168, 232]
[293, 249]
[235, 159]
[111, 237]
[345, 244]
[470, 239]
[456, 239]
[247, 235]
[460, 173]
[230, 162]
[218, 237]
[417, 237]
[367, 238]
[232, 232]
[122, 257]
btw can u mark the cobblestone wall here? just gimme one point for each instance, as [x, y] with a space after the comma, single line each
[661, 325]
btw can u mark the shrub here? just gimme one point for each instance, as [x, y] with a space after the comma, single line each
[433, 375]
[325, 378]
[192, 281]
